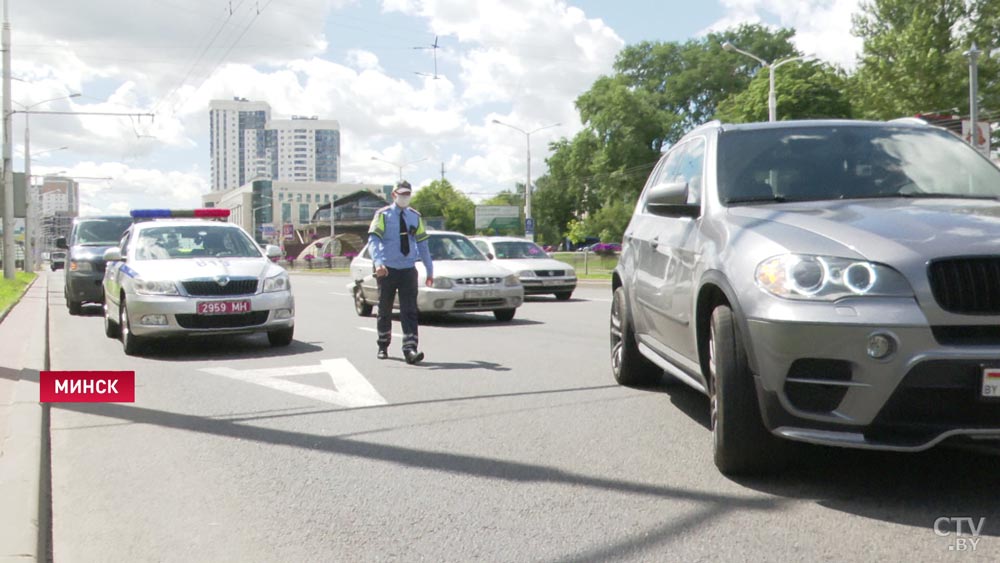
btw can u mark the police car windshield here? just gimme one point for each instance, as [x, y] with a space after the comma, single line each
[518, 250]
[453, 247]
[181, 242]
[101, 232]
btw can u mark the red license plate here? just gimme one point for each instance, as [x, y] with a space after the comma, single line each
[223, 307]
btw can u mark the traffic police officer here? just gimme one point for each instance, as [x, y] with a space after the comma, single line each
[397, 239]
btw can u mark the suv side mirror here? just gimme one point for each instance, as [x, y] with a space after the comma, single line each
[670, 200]
[272, 251]
[490, 255]
[61, 243]
[113, 254]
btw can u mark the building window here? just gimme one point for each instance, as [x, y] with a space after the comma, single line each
[303, 213]
[309, 198]
[326, 198]
[286, 212]
[298, 198]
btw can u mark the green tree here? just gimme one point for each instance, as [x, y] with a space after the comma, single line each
[441, 199]
[912, 57]
[807, 90]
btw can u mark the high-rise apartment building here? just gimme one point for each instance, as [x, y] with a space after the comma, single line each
[300, 149]
[229, 122]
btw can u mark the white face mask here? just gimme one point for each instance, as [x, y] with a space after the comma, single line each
[402, 200]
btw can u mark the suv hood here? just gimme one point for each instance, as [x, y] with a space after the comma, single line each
[886, 230]
[88, 253]
[195, 268]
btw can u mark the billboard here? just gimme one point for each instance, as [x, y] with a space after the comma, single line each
[498, 217]
[288, 231]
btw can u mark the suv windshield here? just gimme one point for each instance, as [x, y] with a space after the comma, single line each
[101, 232]
[847, 162]
[518, 250]
[167, 243]
[453, 247]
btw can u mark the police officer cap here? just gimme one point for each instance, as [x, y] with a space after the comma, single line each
[403, 187]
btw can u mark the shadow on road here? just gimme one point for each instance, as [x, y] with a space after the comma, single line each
[466, 320]
[490, 366]
[913, 489]
[192, 349]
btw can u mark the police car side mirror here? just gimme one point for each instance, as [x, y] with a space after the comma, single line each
[113, 255]
[490, 255]
[272, 251]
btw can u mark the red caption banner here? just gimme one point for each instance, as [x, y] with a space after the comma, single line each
[87, 386]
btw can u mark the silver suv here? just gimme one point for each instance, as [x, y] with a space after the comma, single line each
[831, 282]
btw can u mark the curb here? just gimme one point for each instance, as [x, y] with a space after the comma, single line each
[23, 447]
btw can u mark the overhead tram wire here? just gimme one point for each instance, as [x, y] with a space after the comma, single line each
[226, 54]
[198, 59]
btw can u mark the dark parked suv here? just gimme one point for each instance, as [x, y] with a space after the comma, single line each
[831, 282]
[88, 240]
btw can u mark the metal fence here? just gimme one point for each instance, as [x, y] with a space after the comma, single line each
[589, 263]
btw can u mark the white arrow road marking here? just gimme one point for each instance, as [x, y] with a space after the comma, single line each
[352, 389]
[341, 294]
[366, 329]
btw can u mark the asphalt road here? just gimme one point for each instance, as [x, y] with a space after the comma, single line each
[511, 442]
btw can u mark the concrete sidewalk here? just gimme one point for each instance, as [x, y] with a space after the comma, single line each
[23, 341]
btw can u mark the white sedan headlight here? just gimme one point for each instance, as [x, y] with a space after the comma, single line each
[511, 281]
[156, 287]
[277, 283]
[527, 274]
[828, 278]
[443, 283]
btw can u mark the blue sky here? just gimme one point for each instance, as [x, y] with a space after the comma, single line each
[520, 61]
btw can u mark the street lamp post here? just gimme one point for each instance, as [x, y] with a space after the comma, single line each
[528, 221]
[772, 67]
[29, 220]
[398, 165]
[29, 265]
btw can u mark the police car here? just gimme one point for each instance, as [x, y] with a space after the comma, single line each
[181, 273]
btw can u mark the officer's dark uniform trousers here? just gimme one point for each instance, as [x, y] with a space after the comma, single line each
[405, 282]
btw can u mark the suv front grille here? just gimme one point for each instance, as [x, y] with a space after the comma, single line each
[968, 286]
[213, 289]
[550, 273]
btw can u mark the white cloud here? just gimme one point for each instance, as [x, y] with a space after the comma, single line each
[823, 27]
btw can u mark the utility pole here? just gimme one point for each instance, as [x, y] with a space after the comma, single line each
[973, 55]
[442, 172]
[9, 250]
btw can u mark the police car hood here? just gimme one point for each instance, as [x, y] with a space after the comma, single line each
[204, 268]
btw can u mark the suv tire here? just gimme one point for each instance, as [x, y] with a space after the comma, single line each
[628, 365]
[742, 445]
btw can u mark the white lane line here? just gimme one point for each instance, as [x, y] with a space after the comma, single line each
[366, 329]
[352, 389]
[341, 294]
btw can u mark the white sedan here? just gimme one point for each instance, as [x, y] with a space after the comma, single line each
[539, 273]
[464, 281]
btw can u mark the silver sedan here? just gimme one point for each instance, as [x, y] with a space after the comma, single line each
[464, 281]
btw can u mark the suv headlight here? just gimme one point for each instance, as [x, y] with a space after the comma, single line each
[443, 283]
[511, 281]
[828, 278]
[277, 283]
[527, 274]
[75, 266]
[156, 288]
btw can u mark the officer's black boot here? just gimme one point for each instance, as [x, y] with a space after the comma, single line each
[412, 356]
[383, 353]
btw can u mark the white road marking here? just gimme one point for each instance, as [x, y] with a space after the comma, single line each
[366, 329]
[352, 389]
[341, 294]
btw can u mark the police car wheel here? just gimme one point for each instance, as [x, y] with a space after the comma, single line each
[111, 328]
[361, 307]
[281, 337]
[131, 343]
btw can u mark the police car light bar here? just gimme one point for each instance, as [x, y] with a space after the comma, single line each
[203, 213]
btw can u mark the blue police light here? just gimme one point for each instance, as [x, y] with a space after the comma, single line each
[151, 213]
